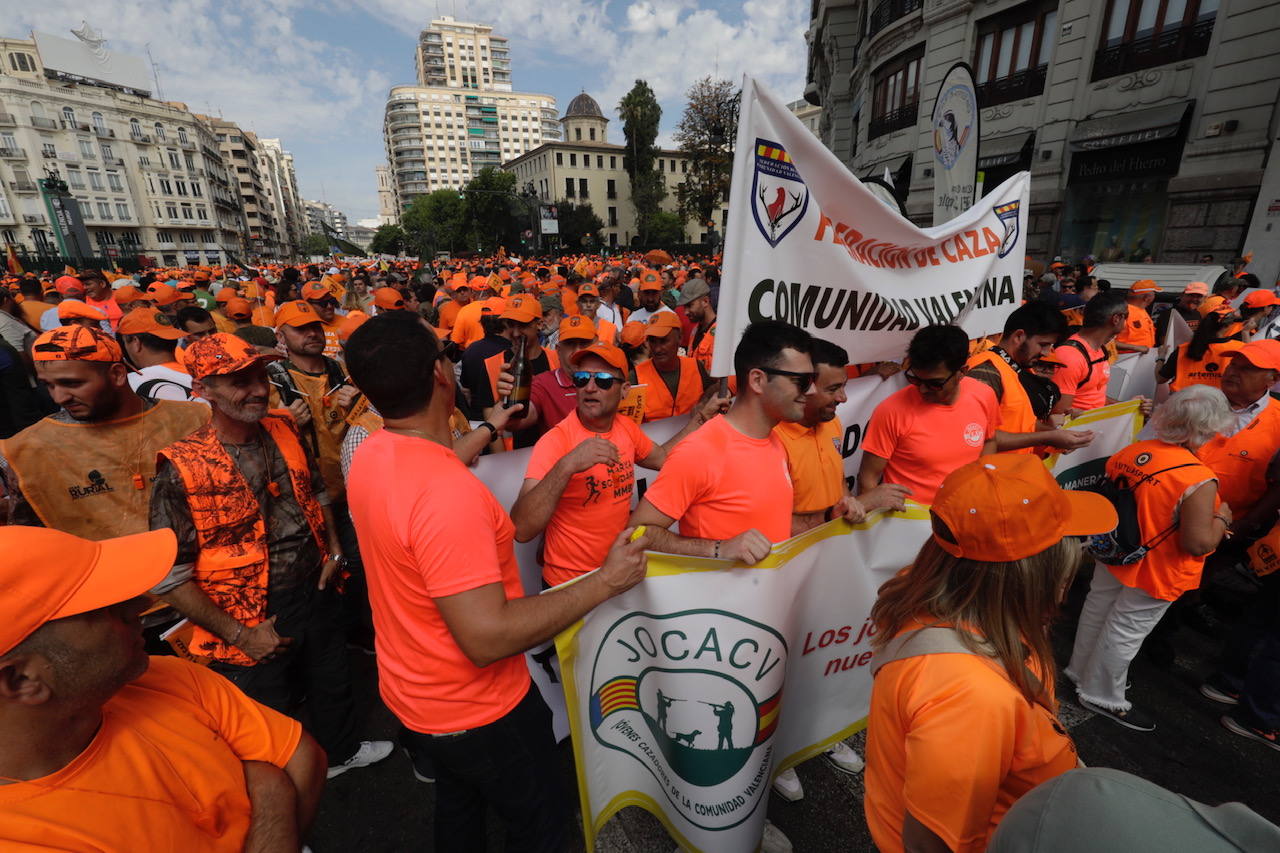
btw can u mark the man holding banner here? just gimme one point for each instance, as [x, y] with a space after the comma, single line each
[1086, 368]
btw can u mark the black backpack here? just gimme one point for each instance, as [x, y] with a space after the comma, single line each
[1125, 545]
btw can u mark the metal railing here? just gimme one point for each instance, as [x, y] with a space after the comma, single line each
[1015, 87]
[893, 120]
[46, 123]
[13, 153]
[1169, 46]
[888, 11]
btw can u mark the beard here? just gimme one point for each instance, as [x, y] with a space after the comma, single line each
[249, 412]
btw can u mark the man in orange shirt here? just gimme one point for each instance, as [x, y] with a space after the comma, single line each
[326, 306]
[452, 620]
[1139, 333]
[459, 297]
[940, 421]
[104, 748]
[673, 383]
[588, 304]
[695, 298]
[1086, 369]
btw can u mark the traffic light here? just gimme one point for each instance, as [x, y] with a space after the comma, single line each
[461, 195]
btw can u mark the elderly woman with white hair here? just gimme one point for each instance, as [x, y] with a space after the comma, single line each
[1181, 520]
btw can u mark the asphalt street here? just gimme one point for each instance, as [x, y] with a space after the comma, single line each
[383, 808]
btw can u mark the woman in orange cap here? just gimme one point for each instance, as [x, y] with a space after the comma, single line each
[963, 716]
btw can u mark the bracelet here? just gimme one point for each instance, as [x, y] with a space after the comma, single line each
[1222, 518]
[493, 430]
[236, 639]
[717, 553]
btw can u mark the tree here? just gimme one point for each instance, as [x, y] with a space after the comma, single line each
[387, 240]
[579, 224]
[314, 244]
[497, 216]
[434, 221]
[665, 229]
[641, 115]
[706, 135]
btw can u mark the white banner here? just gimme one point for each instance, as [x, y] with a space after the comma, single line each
[1115, 427]
[864, 393]
[1133, 374]
[690, 692]
[807, 243]
[956, 128]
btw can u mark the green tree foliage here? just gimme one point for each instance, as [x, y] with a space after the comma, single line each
[387, 240]
[641, 114]
[665, 229]
[314, 244]
[497, 217]
[436, 221]
[706, 134]
[579, 224]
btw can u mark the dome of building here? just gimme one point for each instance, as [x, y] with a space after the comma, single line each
[583, 106]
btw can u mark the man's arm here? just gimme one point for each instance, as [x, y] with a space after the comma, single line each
[273, 801]
[538, 499]
[488, 626]
[710, 406]
[1065, 440]
[749, 547]
[306, 769]
[989, 447]
[870, 472]
[258, 642]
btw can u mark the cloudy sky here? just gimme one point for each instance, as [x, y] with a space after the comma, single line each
[316, 72]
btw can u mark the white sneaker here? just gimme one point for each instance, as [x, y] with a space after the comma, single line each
[845, 759]
[773, 841]
[788, 787]
[370, 752]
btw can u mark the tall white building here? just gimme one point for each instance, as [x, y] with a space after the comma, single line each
[462, 114]
[387, 213]
[276, 166]
[322, 212]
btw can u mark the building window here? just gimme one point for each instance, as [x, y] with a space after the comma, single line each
[568, 187]
[46, 148]
[21, 62]
[896, 93]
[86, 149]
[582, 188]
[1145, 33]
[182, 134]
[166, 186]
[99, 124]
[593, 134]
[190, 161]
[113, 181]
[172, 210]
[559, 158]
[187, 212]
[613, 162]
[684, 167]
[135, 128]
[107, 153]
[181, 187]
[122, 210]
[611, 188]
[613, 217]
[104, 210]
[159, 131]
[573, 159]
[174, 162]
[69, 116]
[95, 180]
[577, 134]
[1013, 52]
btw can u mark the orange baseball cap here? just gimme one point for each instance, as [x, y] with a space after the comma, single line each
[1214, 305]
[71, 308]
[588, 289]
[151, 322]
[493, 305]
[297, 312]
[314, 291]
[662, 324]
[1196, 288]
[1263, 353]
[90, 575]
[1146, 285]
[68, 284]
[351, 322]
[220, 353]
[75, 343]
[607, 353]
[576, 328]
[165, 294]
[225, 295]
[388, 299]
[200, 275]
[1260, 299]
[633, 333]
[650, 280]
[1007, 507]
[522, 308]
[127, 294]
[238, 308]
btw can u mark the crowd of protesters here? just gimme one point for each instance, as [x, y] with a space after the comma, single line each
[269, 466]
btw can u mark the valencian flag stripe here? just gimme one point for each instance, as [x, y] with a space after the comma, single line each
[767, 714]
[618, 694]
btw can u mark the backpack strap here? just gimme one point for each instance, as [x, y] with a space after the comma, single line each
[1159, 538]
[1089, 362]
[938, 640]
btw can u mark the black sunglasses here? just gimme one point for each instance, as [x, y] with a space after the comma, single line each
[804, 380]
[604, 381]
[935, 384]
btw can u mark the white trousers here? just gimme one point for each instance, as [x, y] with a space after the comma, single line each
[1114, 622]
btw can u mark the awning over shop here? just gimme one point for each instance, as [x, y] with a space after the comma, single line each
[1130, 128]
[1003, 151]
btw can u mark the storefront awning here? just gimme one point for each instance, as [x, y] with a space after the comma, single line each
[1003, 151]
[1130, 128]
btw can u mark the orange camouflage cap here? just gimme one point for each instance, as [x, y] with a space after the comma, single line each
[149, 321]
[221, 353]
[75, 343]
[662, 324]
[297, 312]
[1007, 507]
[69, 309]
[577, 328]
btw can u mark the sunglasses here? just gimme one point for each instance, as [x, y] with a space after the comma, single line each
[803, 380]
[935, 384]
[604, 381]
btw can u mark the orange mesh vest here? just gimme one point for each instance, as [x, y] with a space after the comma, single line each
[1016, 414]
[1206, 371]
[1240, 462]
[231, 566]
[658, 402]
[94, 479]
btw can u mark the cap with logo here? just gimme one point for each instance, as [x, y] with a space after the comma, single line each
[522, 308]
[650, 280]
[588, 289]
[1007, 507]
[607, 353]
[662, 324]
[70, 309]
[577, 328]
[220, 353]
[296, 312]
[149, 321]
[1264, 353]
[694, 288]
[75, 343]
[90, 575]
[314, 291]
[387, 299]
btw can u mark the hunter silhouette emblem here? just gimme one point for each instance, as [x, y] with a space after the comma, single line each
[779, 197]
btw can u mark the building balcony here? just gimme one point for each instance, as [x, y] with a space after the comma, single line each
[8, 120]
[34, 219]
[105, 132]
[893, 120]
[1169, 46]
[13, 154]
[141, 138]
[44, 123]
[888, 11]
[23, 186]
[1015, 87]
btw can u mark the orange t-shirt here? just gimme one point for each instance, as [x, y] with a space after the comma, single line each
[1075, 378]
[950, 739]
[924, 442]
[718, 483]
[332, 343]
[813, 458]
[466, 325]
[164, 772]
[595, 504]
[429, 529]
[448, 313]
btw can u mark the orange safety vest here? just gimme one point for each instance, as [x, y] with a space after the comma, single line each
[1206, 371]
[231, 565]
[1016, 414]
[1240, 462]
[94, 479]
[1138, 329]
[606, 332]
[1166, 571]
[706, 345]
[658, 402]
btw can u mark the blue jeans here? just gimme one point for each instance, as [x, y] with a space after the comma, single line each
[510, 765]
[1251, 657]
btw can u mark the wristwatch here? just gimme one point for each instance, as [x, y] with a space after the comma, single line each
[493, 430]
